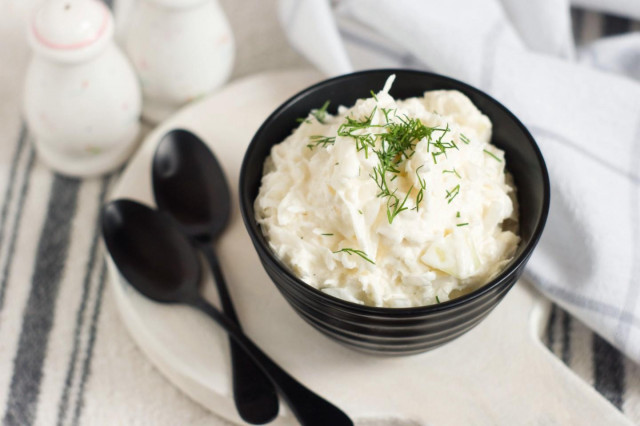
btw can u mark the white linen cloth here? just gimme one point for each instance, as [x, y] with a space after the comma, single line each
[584, 113]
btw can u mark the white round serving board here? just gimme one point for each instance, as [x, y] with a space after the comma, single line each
[498, 373]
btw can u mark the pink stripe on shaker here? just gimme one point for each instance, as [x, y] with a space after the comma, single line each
[72, 46]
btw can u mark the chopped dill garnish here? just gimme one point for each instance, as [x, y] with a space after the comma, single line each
[386, 112]
[359, 211]
[437, 299]
[457, 214]
[454, 171]
[394, 206]
[439, 145]
[452, 194]
[462, 224]
[360, 253]
[321, 114]
[442, 146]
[423, 186]
[492, 155]
[393, 145]
[464, 139]
[363, 141]
[373, 95]
[302, 120]
[320, 140]
[327, 235]
[396, 145]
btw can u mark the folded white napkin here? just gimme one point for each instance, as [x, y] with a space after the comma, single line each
[582, 106]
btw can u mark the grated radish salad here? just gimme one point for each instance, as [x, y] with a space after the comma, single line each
[391, 203]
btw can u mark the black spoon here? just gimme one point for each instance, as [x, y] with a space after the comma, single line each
[158, 260]
[190, 186]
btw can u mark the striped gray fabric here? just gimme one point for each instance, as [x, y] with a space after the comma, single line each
[67, 358]
[591, 357]
[38, 314]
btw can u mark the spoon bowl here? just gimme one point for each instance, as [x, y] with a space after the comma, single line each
[166, 270]
[189, 184]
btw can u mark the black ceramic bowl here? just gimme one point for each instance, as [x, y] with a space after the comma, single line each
[398, 331]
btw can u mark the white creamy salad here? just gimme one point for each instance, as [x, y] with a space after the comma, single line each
[391, 203]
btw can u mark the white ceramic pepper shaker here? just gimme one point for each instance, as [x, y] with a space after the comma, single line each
[181, 49]
[82, 98]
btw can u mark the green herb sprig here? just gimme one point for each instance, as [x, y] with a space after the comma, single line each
[360, 253]
[351, 128]
[454, 171]
[395, 144]
[386, 112]
[452, 193]
[317, 140]
[491, 154]
[423, 186]
[321, 113]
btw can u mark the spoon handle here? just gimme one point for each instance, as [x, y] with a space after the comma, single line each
[218, 277]
[308, 407]
[254, 395]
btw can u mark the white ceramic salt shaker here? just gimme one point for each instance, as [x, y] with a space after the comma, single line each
[82, 98]
[181, 49]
